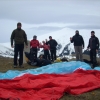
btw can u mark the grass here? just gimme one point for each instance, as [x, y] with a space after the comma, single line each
[93, 95]
[7, 63]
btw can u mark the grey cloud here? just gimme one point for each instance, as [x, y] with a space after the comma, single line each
[47, 28]
[45, 11]
[85, 27]
[85, 13]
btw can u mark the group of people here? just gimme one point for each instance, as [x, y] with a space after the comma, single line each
[93, 46]
[46, 45]
[19, 37]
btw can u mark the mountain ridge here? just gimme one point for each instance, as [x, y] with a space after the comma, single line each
[63, 38]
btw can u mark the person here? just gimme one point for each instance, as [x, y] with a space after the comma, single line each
[46, 50]
[53, 43]
[19, 37]
[34, 45]
[99, 53]
[78, 41]
[39, 61]
[93, 45]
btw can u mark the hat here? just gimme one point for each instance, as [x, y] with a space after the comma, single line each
[50, 36]
[92, 32]
[34, 37]
[19, 24]
[77, 31]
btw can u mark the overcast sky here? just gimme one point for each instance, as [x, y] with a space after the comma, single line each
[45, 11]
[80, 12]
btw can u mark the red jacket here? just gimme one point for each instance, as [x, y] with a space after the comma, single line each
[45, 47]
[34, 43]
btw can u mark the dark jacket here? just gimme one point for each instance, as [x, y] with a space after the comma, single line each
[53, 43]
[19, 37]
[93, 42]
[78, 40]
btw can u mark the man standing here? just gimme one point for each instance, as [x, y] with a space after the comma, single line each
[34, 44]
[78, 45]
[53, 43]
[19, 37]
[93, 46]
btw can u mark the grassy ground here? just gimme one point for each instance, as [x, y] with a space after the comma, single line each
[7, 63]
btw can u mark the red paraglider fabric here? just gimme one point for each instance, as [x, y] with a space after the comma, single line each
[49, 86]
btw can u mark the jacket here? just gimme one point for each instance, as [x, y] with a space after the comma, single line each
[93, 43]
[53, 43]
[45, 47]
[34, 43]
[77, 40]
[19, 37]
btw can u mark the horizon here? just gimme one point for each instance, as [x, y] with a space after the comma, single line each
[30, 29]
